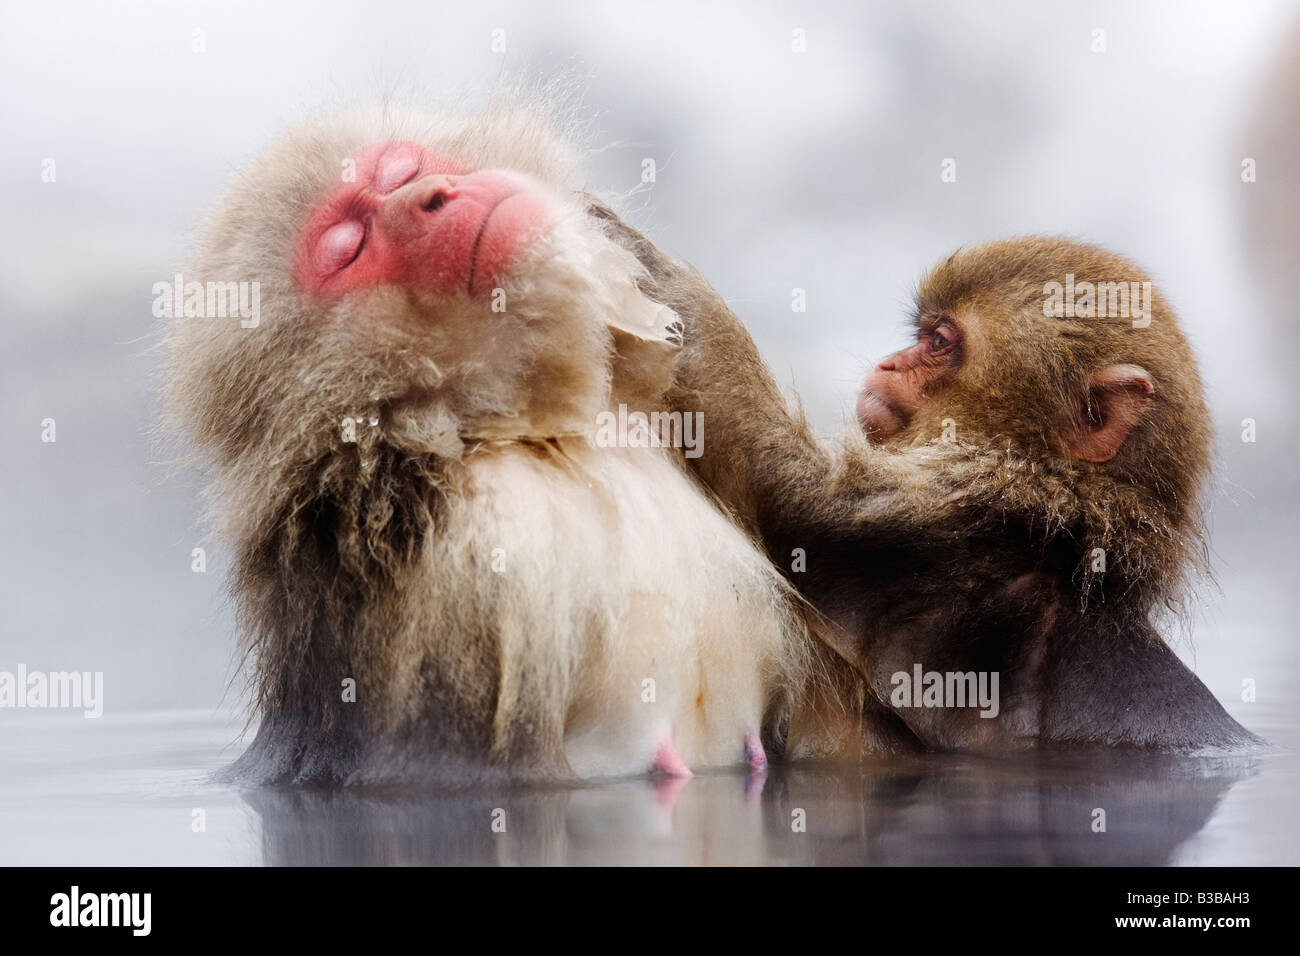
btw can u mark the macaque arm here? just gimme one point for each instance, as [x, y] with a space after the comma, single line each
[757, 457]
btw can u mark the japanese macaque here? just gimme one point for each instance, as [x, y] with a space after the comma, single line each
[441, 571]
[1022, 503]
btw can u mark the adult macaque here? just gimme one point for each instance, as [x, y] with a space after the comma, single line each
[1025, 503]
[438, 573]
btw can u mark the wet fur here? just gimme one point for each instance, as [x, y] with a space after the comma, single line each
[373, 560]
[976, 553]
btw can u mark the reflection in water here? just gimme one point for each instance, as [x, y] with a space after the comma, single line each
[141, 790]
[923, 810]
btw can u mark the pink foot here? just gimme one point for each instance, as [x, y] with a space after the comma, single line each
[755, 756]
[668, 760]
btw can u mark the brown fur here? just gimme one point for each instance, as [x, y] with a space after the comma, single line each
[1019, 394]
[975, 553]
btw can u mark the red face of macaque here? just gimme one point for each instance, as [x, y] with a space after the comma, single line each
[900, 385]
[413, 217]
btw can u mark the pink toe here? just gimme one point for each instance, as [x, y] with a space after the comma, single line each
[668, 760]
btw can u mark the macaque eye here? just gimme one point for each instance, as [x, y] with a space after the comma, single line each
[939, 340]
[396, 170]
[340, 245]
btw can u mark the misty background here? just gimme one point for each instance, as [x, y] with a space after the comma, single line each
[818, 170]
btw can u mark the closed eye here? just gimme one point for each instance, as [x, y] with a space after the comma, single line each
[340, 245]
[396, 169]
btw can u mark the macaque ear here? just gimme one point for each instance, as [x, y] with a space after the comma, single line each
[1117, 396]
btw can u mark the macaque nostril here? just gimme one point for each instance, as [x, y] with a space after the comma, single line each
[436, 202]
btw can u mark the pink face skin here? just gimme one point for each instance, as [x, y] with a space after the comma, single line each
[414, 217]
[902, 383]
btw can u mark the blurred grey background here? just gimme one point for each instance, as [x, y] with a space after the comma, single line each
[776, 169]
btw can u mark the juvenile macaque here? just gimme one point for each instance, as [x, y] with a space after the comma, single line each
[439, 571]
[1024, 505]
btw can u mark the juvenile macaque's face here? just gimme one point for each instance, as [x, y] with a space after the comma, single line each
[997, 360]
[416, 218]
[902, 383]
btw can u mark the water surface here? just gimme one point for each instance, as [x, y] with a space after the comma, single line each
[133, 789]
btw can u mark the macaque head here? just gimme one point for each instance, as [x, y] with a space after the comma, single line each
[1059, 349]
[435, 279]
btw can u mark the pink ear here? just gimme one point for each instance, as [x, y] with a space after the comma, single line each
[1117, 396]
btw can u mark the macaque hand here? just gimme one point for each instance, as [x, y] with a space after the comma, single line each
[667, 281]
[718, 357]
